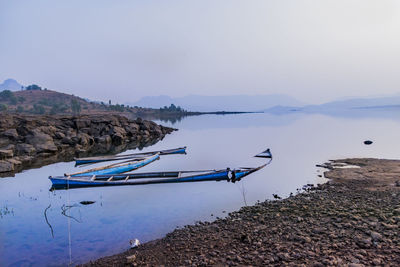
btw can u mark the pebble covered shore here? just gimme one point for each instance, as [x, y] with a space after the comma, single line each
[353, 220]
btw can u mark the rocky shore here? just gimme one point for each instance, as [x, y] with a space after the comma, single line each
[34, 141]
[353, 220]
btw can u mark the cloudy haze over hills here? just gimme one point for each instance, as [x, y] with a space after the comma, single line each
[218, 103]
[269, 103]
[349, 107]
[314, 51]
[274, 103]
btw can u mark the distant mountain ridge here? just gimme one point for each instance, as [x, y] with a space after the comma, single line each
[11, 84]
[358, 103]
[204, 103]
[340, 106]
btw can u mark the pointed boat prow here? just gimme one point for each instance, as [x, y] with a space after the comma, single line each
[265, 154]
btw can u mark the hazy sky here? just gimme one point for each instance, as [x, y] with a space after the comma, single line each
[123, 50]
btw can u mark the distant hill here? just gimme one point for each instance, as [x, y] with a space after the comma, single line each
[342, 107]
[35, 100]
[43, 102]
[219, 103]
[356, 103]
[11, 84]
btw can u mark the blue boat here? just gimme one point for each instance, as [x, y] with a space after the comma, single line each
[92, 160]
[62, 182]
[67, 182]
[116, 168]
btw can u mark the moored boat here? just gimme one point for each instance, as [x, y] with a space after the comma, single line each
[62, 182]
[116, 168]
[67, 182]
[92, 160]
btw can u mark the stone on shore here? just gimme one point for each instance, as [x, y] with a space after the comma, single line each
[42, 142]
[6, 166]
[6, 153]
[25, 149]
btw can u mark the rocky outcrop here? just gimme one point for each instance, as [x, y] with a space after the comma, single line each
[32, 141]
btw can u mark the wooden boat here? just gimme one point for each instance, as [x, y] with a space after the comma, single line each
[62, 182]
[67, 182]
[116, 168]
[91, 160]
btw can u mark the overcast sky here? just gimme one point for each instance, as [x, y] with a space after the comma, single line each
[122, 50]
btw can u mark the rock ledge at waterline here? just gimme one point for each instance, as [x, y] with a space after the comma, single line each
[353, 220]
[33, 141]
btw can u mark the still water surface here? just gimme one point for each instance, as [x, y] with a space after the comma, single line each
[298, 142]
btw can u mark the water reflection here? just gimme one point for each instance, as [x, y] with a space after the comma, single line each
[171, 118]
[120, 214]
[5, 211]
[47, 220]
[70, 154]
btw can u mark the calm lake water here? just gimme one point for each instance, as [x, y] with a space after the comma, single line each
[298, 142]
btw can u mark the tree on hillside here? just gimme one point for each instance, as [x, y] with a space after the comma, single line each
[75, 107]
[33, 87]
[20, 109]
[8, 96]
[117, 107]
[58, 108]
[38, 109]
[172, 108]
[3, 107]
[45, 102]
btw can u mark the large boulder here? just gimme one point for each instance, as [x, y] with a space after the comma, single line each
[42, 142]
[59, 135]
[23, 130]
[70, 132]
[146, 125]
[24, 149]
[14, 161]
[67, 140]
[105, 139]
[11, 134]
[157, 131]
[86, 130]
[95, 130]
[6, 122]
[114, 120]
[119, 130]
[50, 130]
[4, 142]
[6, 153]
[82, 123]
[132, 129]
[117, 139]
[85, 139]
[6, 166]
